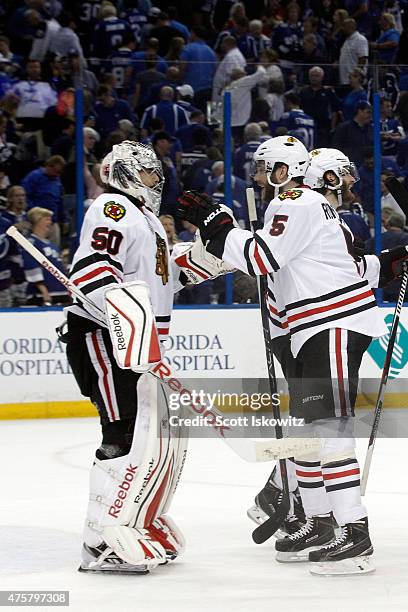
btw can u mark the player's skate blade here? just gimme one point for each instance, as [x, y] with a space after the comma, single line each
[103, 560]
[300, 556]
[348, 554]
[347, 567]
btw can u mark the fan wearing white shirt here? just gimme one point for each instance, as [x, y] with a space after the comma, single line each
[35, 96]
[233, 60]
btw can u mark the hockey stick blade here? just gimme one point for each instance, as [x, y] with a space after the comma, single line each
[398, 192]
[269, 527]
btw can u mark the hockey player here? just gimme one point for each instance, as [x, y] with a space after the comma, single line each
[138, 463]
[332, 174]
[123, 257]
[323, 316]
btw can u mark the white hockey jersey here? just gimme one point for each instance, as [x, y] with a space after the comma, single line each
[314, 282]
[121, 243]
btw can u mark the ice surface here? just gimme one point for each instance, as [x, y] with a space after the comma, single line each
[44, 481]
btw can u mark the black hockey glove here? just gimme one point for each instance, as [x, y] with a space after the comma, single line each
[210, 218]
[391, 264]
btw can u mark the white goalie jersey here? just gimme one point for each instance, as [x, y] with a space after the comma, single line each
[314, 281]
[121, 243]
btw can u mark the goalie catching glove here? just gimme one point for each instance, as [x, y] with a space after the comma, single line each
[197, 263]
[391, 262]
[211, 219]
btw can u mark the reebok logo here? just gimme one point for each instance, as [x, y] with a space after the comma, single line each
[124, 487]
[117, 330]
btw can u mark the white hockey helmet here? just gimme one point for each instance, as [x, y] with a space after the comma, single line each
[121, 168]
[282, 149]
[324, 160]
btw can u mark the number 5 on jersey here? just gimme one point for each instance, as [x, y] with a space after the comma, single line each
[278, 225]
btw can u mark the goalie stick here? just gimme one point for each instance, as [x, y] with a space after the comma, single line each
[264, 531]
[251, 450]
[400, 194]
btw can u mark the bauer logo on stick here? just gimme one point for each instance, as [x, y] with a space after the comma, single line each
[114, 211]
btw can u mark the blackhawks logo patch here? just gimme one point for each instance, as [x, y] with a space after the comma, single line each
[315, 152]
[290, 194]
[114, 211]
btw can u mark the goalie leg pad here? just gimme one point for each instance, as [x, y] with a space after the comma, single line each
[132, 326]
[132, 490]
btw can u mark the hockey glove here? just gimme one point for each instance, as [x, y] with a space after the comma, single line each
[391, 264]
[210, 218]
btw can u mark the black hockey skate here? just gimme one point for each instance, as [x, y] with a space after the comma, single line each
[265, 506]
[348, 554]
[318, 531]
[102, 559]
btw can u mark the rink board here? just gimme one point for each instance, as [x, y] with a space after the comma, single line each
[36, 381]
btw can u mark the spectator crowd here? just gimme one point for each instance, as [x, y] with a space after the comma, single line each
[157, 73]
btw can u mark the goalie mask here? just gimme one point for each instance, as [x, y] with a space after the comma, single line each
[133, 169]
[282, 149]
[329, 160]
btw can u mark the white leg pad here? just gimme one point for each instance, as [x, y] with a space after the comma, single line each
[132, 491]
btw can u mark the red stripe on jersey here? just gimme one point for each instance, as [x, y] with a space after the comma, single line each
[132, 333]
[94, 273]
[353, 472]
[162, 331]
[308, 474]
[308, 313]
[282, 324]
[259, 261]
[340, 373]
[105, 374]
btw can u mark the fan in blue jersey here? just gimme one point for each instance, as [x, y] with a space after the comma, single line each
[185, 133]
[86, 18]
[121, 64]
[142, 58]
[109, 32]
[296, 121]
[287, 37]
[43, 288]
[261, 41]
[172, 114]
[10, 264]
[392, 131]
[245, 42]
[244, 155]
[135, 18]
[15, 212]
